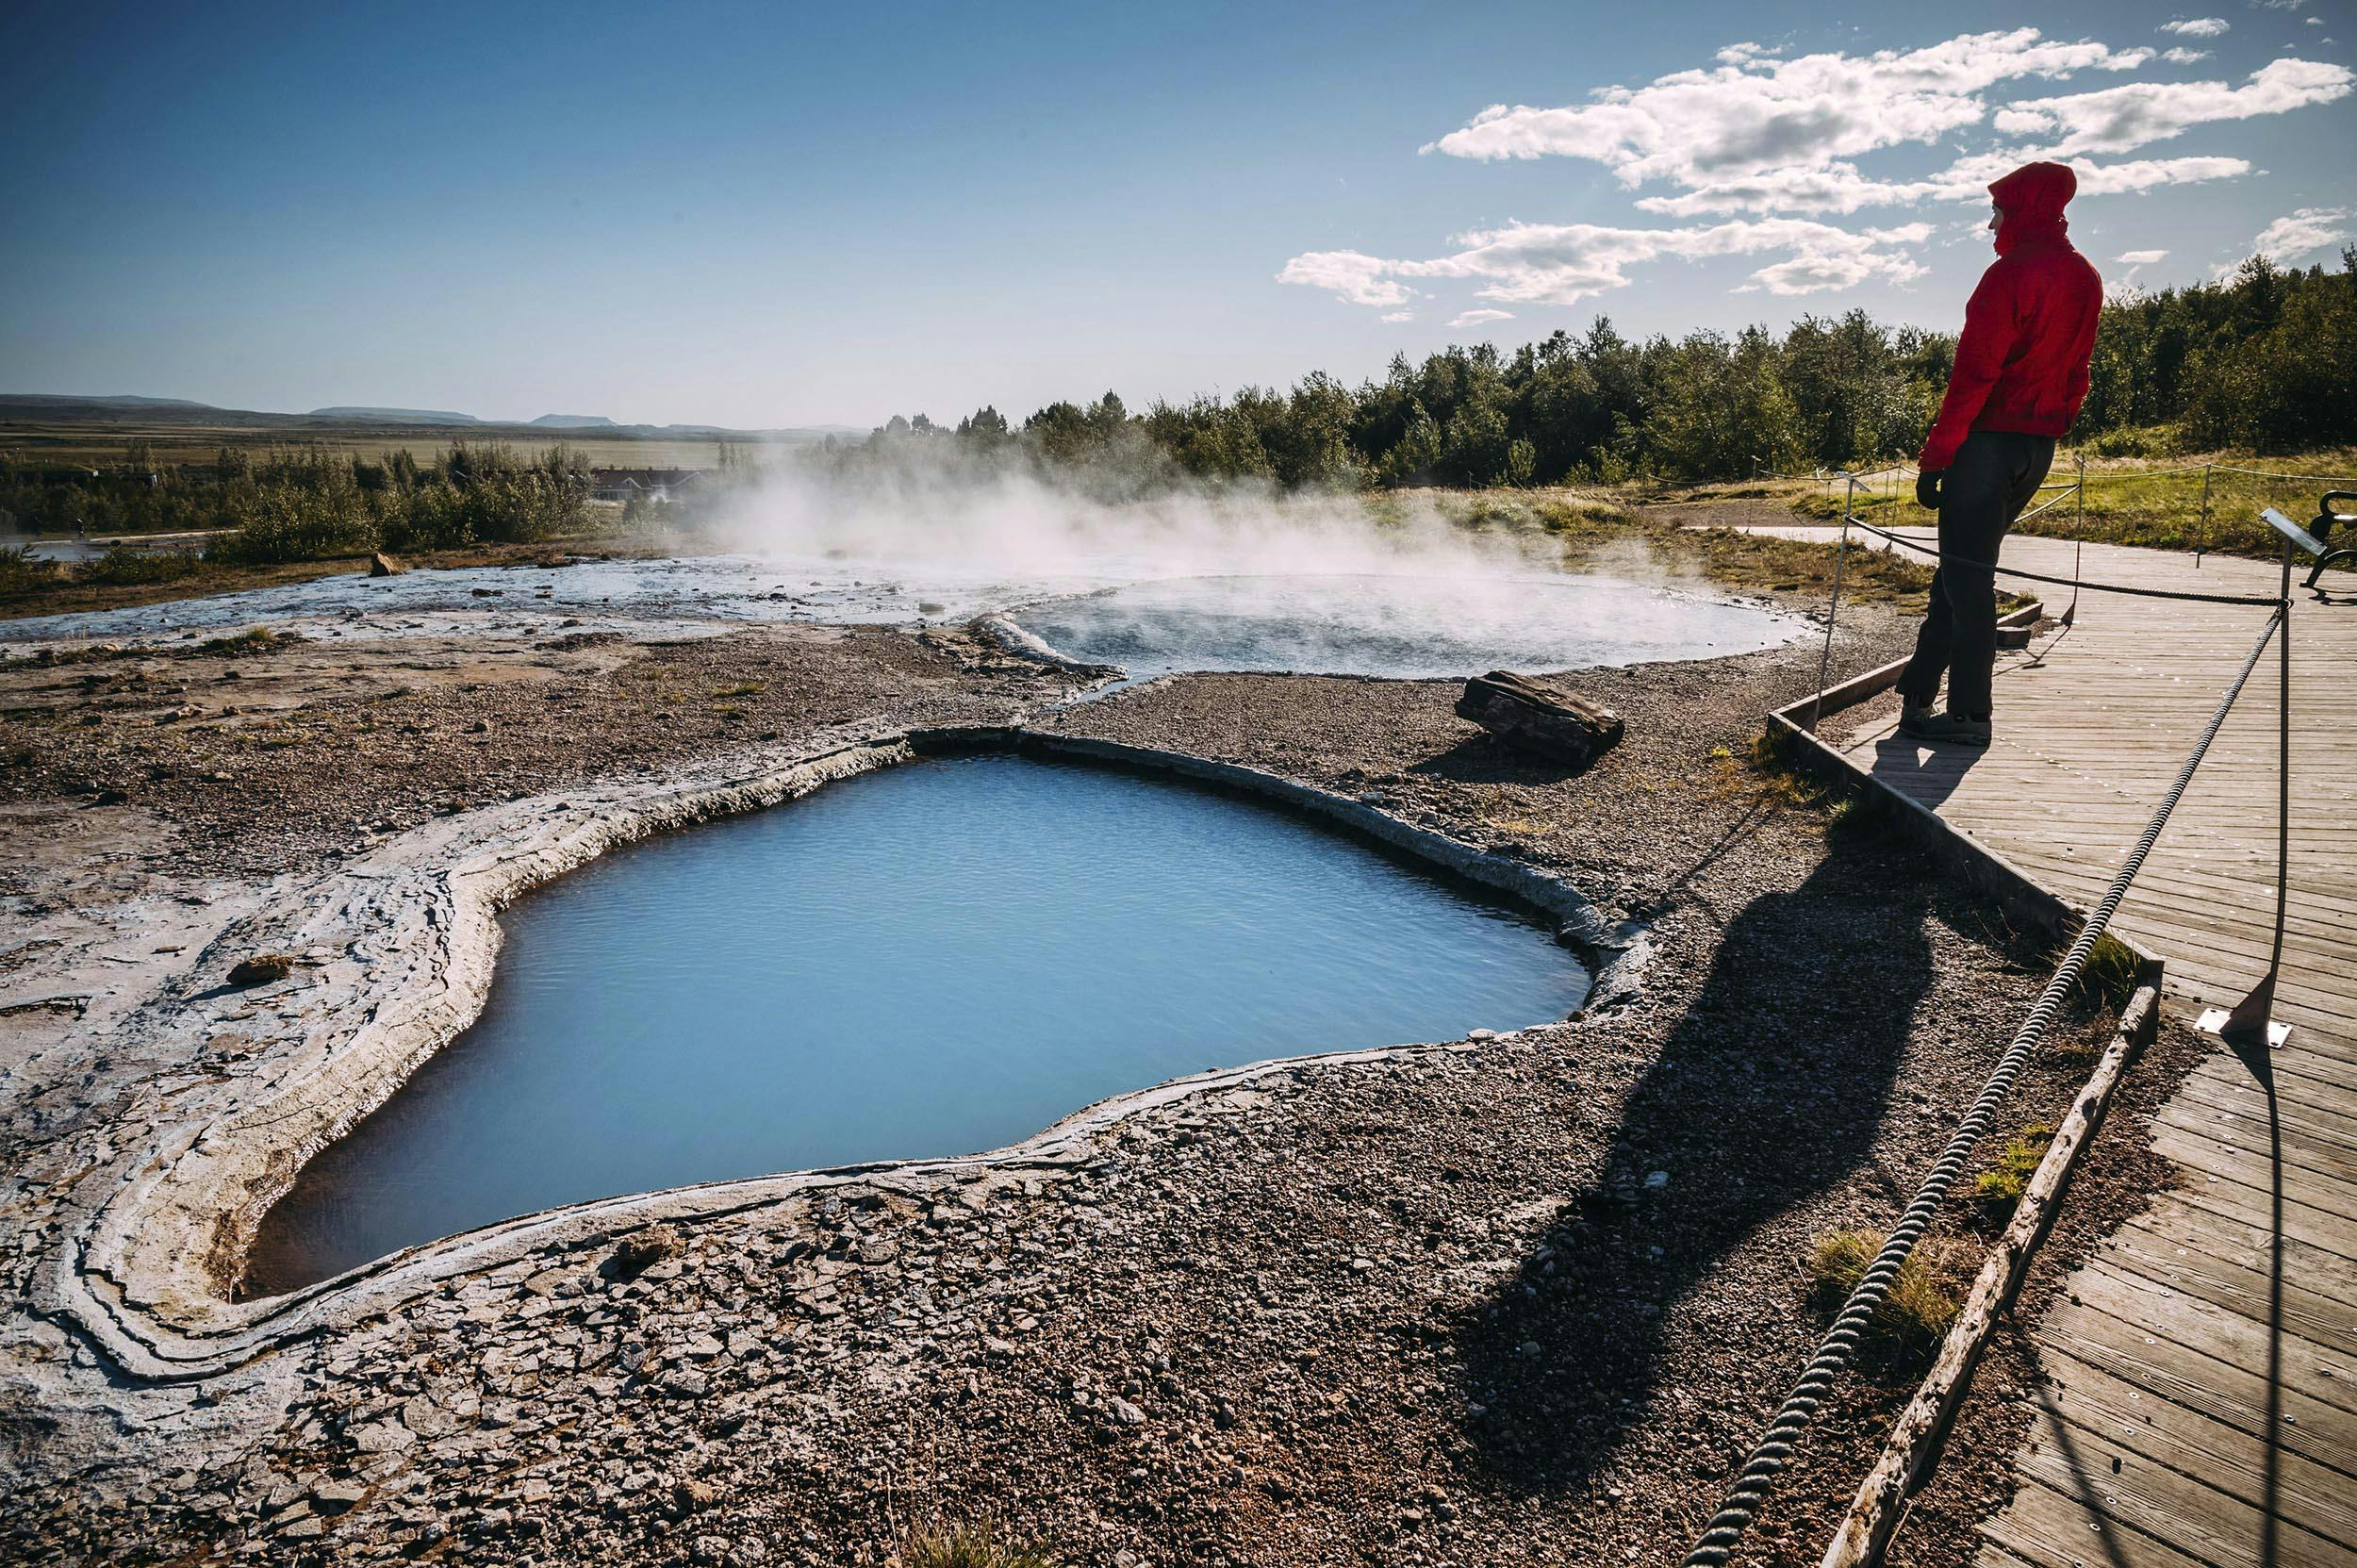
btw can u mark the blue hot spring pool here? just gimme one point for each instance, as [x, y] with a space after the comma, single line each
[934, 960]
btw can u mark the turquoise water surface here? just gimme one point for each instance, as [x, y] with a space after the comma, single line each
[934, 960]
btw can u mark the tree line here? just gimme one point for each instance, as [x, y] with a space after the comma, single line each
[2265, 360]
[301, 503]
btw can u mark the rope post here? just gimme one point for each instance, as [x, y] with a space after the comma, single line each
[1841, 553]
[2078, 540]
[2202, 541]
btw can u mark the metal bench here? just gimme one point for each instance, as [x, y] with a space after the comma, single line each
[2317, 539]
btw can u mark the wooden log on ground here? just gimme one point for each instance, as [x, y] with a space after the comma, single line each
[1534, 716]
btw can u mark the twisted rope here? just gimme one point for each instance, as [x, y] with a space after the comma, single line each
[1778, 1443]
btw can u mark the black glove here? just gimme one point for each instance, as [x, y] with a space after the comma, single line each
[1927, 491]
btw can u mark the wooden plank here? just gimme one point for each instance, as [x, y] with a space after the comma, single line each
[2191, 1124]
[2221, 1312]
[2202, 1520]
[1992, 1556]
[2155, 1278]
[2190, 1235]
[2218, 1392]
[2054, 1529]
[2312, 1138]
[2215, 1156]
[2313, 1496]
[2326, 1232]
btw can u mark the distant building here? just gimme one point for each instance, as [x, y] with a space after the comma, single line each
[660, 485]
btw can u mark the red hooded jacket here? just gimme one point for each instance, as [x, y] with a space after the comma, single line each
[2029, 329]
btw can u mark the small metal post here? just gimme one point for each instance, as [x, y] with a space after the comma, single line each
[1841, 553]
[2202, 541]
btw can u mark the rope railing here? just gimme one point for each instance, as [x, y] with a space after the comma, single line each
[2078, 485]
[1778, 1443]
[2073, 582]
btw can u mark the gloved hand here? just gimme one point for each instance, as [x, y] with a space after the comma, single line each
[1927, 490]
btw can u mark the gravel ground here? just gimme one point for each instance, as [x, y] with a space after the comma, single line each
[265, 755]
[1504, 1300]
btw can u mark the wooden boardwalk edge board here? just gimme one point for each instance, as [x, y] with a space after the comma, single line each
[1914, 1440]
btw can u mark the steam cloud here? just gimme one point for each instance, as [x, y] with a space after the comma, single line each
[919, 508]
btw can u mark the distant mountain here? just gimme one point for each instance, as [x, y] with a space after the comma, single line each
[117, 399]
[394, 416]
[130, 412]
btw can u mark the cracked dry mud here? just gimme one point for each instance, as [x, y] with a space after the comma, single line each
[1494, 1300]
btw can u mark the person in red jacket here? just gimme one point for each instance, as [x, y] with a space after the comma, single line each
[2019, 377]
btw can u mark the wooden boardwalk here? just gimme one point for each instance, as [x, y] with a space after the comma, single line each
[2148, 1445]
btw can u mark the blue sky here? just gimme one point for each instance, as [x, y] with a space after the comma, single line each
[761, 215]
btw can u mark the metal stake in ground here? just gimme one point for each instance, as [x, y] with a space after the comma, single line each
[1824, 662]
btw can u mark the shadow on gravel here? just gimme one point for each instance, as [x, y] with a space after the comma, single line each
[1480, 759]
[1769, 1090]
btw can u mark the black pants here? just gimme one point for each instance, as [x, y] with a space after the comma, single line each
[1995, 475]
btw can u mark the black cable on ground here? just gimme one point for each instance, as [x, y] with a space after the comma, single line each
[1776, 1445]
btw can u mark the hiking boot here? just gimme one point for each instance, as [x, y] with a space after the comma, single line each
[1914, 716]
[1946, 729]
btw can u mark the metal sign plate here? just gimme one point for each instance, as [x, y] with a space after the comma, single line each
[2293, 532]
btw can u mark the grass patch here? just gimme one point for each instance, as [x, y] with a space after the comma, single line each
[1999, 1187]
[2108, 978]
[968, 1546]
[253, 640]
[1921, 1303]
[742, 688]
[1807, 565]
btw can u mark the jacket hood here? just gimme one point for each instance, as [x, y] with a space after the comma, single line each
[2033, 197]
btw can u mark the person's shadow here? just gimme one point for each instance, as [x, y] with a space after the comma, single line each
[1770, 1089]
[1924, 774]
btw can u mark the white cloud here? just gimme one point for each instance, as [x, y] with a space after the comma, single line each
[1397, 316]
[1759, 151]
[2297, 234]
[1839, 188]
[2184, 57]
[2117, 118]
[1354, 277]
[1754, 114]
[1564, 263]
[2141, 258]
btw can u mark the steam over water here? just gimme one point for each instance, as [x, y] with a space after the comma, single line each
[1412, 627]
[1162, 576]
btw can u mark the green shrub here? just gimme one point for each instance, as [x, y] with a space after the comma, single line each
[288, 521]
[22, 573]
[120, 567]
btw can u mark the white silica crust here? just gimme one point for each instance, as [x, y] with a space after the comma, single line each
[397, 948]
